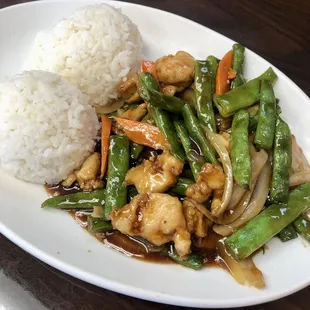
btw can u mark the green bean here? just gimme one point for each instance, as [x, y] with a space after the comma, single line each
[98, 225]
[282, 160]
[203, 92]
[196, 132]
[237, 65]
[268, 223]
[80, 200]
[243, 96]
[240, 154]
[155, 98]
[302, 224]
[135, 150]
[288, 233]
[253, 123]
[181, 186]
[118, 165]
[165, 124]
[186, 142]
[212, 64]
[267, 115]
[193, 261]
[132, 192]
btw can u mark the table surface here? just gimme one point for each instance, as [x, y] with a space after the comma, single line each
[278, 30]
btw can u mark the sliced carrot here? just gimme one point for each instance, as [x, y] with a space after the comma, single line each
[149, 66]
[222, 80]
[143, 133]
[106, 125]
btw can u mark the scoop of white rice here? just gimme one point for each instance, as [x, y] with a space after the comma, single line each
[47, 127]
[95, 49]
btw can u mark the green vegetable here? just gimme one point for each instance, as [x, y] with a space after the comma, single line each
[186, 142]
[268, 223]
[155, 98]
[118, 165]
[98, 225]
[212, 64]
[267, 115]
[197, 133]
[282, 161]
[194, 261]
[253, 123]
[243, 96]
[203, 92]
[132, 192]
[288, 233]
[181, 186]
[135, 150]
[240, 154]
[237, 65]
[165, 124]
[189, 97]
[80, 200]
[302, 225]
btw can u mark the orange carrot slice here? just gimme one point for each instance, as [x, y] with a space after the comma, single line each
[222, 82]
[106, 125]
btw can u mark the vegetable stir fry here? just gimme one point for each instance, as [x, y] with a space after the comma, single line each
[196, 154]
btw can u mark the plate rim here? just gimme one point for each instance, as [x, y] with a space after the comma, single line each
[130, 290]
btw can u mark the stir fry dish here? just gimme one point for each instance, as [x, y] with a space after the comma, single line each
[198, 167]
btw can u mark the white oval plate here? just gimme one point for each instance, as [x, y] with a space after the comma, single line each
[56, 239]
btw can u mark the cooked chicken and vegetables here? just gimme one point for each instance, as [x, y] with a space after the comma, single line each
[197, 167]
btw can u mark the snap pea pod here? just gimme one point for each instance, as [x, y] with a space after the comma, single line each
[240, 154]
[212, 64]
[193, 261]
[237, 65]
[80, 200]
[302, 224]
[165, 124]
[282, 160]
[118, 165]
[98, 225]
[203, 92]
[268, 223]
[288, 233]
[243, 96]
[181, 186]
[196, 132]
[155, 98]
[187, 145]
[267, 116]
[253, 123]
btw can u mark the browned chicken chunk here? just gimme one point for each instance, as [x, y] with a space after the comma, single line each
[211, 177]
[196, 222]
[156, 175]
[155, 217]
[175, 69]
[128, 88]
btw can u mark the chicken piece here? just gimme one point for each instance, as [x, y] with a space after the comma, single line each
[217, 200]
[128, 88]
[88, 173]
[155, 217]
[155, 175]
[170, 90]
[175, 69]
[71, 178]
[197, 223]
[211, 177]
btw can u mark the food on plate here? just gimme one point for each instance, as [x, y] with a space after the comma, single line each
[201, 167]
[47, 127]
[197, 167]
[95, 49]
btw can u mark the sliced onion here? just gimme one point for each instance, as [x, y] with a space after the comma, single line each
[244, 272]
[256, 204]
[298, 178]
[201, 208]
[305, 164]
[219, 146]
[257, 163]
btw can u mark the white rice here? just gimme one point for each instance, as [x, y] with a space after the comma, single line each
[95, 49]
[47, 127]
